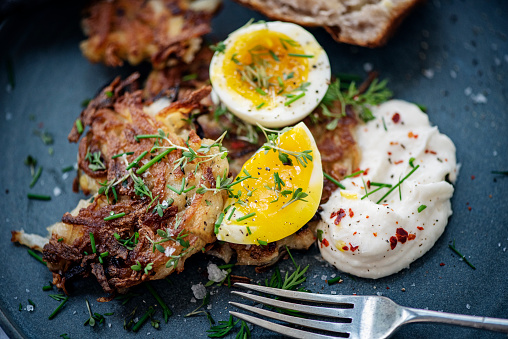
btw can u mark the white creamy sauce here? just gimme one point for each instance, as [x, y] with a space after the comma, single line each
[374, 240]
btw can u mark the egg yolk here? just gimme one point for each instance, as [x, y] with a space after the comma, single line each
[264, 64]
[260, 194]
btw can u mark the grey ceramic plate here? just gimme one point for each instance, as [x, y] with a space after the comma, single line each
[444, 56]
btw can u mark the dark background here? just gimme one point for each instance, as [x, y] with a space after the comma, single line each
[443, 56]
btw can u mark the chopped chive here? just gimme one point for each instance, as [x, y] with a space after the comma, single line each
[60, 239]
[353, 174]
[79, 126]
[189, 189]
[47, 288]
[421, 208]
[55, 312]
[36, 256]
[260, 91]
[320, 235]
[92, 242]
[281, 83]
[146, 136]
[248, 230]
[218, 223]
[379, 184]
[274, 56]
[120, 154]
[384, 124]
[109, 313]
[20, 307]
[31, 302]
[114, 193]
[143, 319]
[38, 196]
[300, 55]
[232, 211]
[188, 77]
[262, 242]
[104, 254]
[333, 281]
[109, 94]
[85, 103]
[499, 172]
[374, 191]
[67, 169]
[113, 216]
[411, 160]
[36, 177]
[146, 166]
[250, 215]
[398, 184]
[260, 105]
[293, 99]
[138, 159]
[167, 312]
[423, 108]
[332, 179]
[452, 247]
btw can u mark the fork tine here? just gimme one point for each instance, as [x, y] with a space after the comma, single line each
[284, 330]
[314, 310]
[338, 300]
[316, 324]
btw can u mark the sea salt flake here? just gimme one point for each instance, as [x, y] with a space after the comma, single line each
[468, 306]
[333, 292]
[168, 251]
[428, 73]
[29, 308]
[57, 191]
[453, 74]
[323, 277]
[27, 290]
[367, 67]
[468, 91]
[479, 98]
[65, 176]
[8, 116]
[199, 291]
[379, 293]
[215, 274]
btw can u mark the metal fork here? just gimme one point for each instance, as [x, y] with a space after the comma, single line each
[356, 316]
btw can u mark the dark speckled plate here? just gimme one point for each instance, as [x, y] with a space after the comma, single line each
[451, 56]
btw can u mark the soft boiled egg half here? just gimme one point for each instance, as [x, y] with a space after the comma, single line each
[271, 73]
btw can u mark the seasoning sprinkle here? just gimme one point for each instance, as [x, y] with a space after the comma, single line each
[137, 160]
[38, 196]
[452, 247]
[421, 208]
[300, 55]
[55, 312]
[146, 166]
[36, 256]
[36, 177]
[293, 99]
[247, 216]
[120, 154]
[333, 281]
[332, 179]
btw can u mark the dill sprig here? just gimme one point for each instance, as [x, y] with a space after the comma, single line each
[452, 247]
[375, 94]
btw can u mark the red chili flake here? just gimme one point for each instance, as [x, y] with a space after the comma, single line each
[354, 233]
[442, 264]
[396, 118]
[398, 162]
[429, 151]
[472, 177]
[366, 171]
[357, 170]
[325, 242]
[367, 217]
[469, 208]
[375, 234]
[392, 143]
[389, 153]
[341, 214]
[345, 248]
[353, 248]
[351, 213]
[420, 228]
[411, 236]
[387, 287]
[412, 135]
[393, 242]
[368, 184]
[401, 235]
[333, 214]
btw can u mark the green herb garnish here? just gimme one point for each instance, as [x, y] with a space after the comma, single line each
[332, 179]
[421, 208]
[55, 312]
[165, 309]
[33, 254]
[114, 216]
[452, 247]
[38, 196]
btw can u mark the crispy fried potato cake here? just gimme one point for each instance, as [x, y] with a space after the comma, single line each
[158, 227]
[339, 153]
[160, 31]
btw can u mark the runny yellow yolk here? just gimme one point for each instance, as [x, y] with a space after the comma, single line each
[257, 64]
[263, 166]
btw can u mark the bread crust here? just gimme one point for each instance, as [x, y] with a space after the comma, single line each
[384, 28]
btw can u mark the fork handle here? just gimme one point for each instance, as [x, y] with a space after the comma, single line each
[486, 323]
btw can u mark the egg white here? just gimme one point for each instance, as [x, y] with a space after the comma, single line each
[280, 115]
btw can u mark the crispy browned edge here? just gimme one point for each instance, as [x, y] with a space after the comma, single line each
[380, 40]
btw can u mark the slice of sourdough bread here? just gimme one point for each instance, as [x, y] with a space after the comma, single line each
[368, 23]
